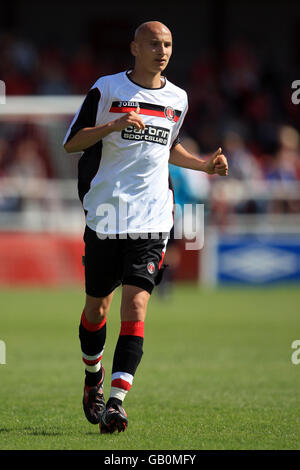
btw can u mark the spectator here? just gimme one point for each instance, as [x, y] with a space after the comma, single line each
[9, 199]
[286, 163]
[28, 162]
[82, 70]
[285, 169]
[3, 155]
[243, 165]
[53, 73]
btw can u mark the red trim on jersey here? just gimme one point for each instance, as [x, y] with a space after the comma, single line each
[91, 326]
[120, 383]
[161, 260]
[147, 112]
[132, 328]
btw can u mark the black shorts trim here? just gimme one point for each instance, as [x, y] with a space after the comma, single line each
[89, 290]
[139, 281]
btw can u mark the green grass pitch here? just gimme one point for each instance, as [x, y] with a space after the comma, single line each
[216, 372]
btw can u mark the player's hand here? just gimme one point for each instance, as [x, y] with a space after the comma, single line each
[217, 164]
[129, 119]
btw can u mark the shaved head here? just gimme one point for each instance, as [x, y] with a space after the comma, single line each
[152, 49]
[151, 27]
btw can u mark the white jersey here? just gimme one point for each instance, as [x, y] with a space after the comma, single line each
[123, 180]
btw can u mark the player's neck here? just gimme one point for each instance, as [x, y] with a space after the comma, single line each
[146, 79]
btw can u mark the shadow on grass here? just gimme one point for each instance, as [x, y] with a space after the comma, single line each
[43, 432]
[32, 432]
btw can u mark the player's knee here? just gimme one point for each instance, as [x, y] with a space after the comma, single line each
[103, 308]
[97, 310]
[134, 308]
[95, 315]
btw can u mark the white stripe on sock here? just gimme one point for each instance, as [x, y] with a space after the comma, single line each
[122, 375]
[94, 368]
[92, 358]
[119, 393]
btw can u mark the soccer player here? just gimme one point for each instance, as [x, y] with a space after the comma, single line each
[127, 128]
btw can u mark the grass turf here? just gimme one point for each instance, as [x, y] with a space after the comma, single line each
[216, 372]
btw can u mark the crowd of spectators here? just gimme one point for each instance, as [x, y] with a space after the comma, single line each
[236, 101]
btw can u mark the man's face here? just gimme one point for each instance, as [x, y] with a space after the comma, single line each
[153, 49]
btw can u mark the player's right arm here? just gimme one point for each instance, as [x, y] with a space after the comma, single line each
[88, 136]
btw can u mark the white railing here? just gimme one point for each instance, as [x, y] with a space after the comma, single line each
[40, 205]
[33, 204]
[25, 106]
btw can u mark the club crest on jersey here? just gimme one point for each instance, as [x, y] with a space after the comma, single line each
[169, 113]
[150, 267]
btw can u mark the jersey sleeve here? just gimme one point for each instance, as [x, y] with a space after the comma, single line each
[176, 141]
[86, 115]
[175, 137]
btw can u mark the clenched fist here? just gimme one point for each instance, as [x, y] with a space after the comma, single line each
[217, 164]
[129, 119]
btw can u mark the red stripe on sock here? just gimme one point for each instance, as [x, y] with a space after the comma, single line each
[93, 362]
[121, 384]
[91, 326]
[132, 328]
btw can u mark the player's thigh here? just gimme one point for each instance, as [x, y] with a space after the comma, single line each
[102, 265]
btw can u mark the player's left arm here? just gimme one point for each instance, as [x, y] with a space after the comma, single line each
[216, 164]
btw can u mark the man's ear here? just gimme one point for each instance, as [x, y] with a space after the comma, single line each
[134, 48]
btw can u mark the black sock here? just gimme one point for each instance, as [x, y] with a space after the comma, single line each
[127, 356]
[92, 339]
